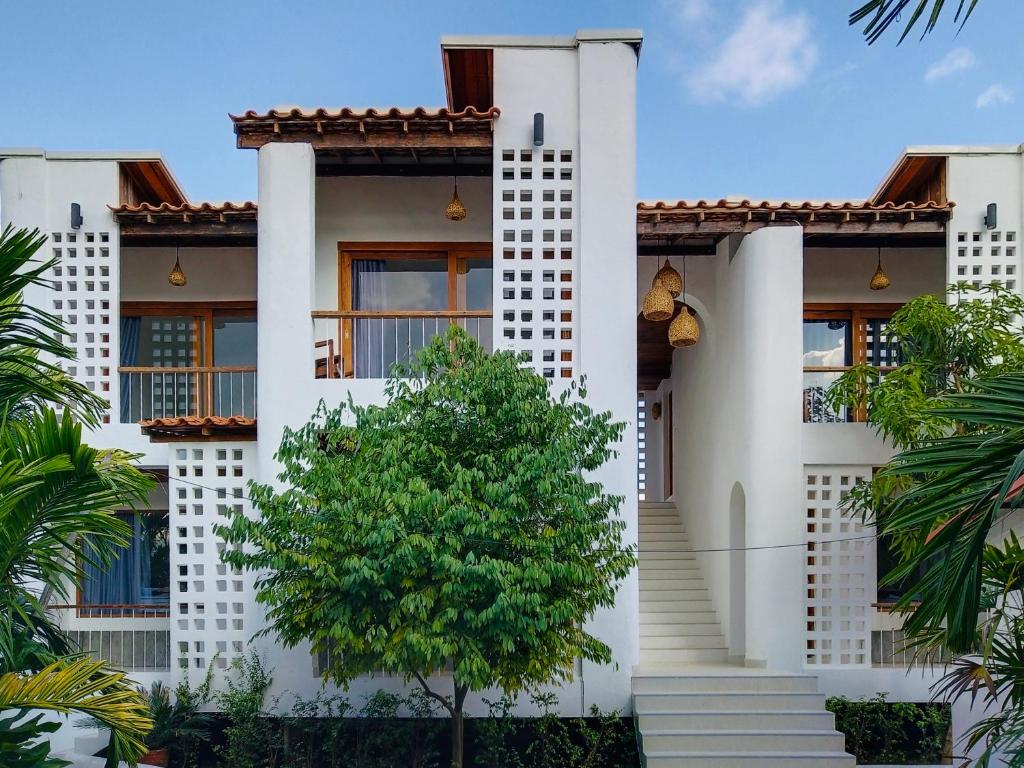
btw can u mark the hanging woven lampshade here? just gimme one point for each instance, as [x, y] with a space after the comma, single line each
[177, 274]
[879, 281]
[670, 278]
[684, 330]
[455, 210]
[658, 303]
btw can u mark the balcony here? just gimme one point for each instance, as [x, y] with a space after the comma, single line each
[356, 344]
[149, 393]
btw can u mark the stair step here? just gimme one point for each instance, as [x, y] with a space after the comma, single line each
[672, 630]
[672, 759]
[650, 526]
[665, 553]
[681, 639]
[759, 720]
[670, 603]
[677, 617]
[684, 655]
[652, 701]
[680, 562]
[691, 580]
[735, 680]
[734, 741]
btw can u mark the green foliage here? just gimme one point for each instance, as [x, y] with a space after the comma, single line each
[247, 739]
[942, 345]
[56, 496]
[20, 745]
[892, 732]
[882, 14]
[458, 524]
[178, 723]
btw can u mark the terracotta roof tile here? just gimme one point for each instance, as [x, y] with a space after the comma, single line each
[767, 205]
[348, 113]
[206, 207]
[198, 421]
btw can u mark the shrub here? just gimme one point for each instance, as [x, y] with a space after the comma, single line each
[892, 732]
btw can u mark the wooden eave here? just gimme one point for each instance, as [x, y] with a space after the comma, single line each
[348, 129]
[468, 77]
[917, 178]
[659, 222]
[153, 182]
[226, 224]
[198, 428]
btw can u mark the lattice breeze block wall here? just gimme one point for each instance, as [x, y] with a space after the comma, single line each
[839, 571]
[985, 256]
[537, 267]
[83, 297]
[207, 482]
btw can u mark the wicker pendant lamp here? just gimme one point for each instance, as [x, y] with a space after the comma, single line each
[177, 274]
[455, 210]
[879, 281]
[658, 303]
[670, 278]
[684, 330]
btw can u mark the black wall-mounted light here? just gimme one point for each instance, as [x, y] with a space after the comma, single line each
[990, 216]
[538, 129]
[76, 216]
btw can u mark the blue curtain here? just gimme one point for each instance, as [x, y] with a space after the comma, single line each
[130, 329]
[128, 580]
[368, 293]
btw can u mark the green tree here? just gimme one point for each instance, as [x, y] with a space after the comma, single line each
[56, 496]
[879, 15]
[458, 525]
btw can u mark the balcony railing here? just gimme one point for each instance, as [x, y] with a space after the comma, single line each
[161, 393]
[364, 345]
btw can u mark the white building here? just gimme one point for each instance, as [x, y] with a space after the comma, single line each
[768, 602]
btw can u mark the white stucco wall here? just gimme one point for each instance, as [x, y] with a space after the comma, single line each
[214, 274]
[842, 274]
[391, 209]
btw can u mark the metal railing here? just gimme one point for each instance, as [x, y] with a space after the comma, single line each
[364, 345]
[161, 393]
[889, 648]
[115, 611]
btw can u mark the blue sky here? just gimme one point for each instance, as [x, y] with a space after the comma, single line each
[764, 98]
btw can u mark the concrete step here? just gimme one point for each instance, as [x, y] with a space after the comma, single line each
[676, 617]
[684, 655]
[672, 759]
[759, 720]
[670, 603]
[726, 681]
[681, 562]
[672, 630]
[674, 570]
[661, 537]
[682, 639]
[656, 583]
[664, 552]
[726, 701]
[658, 526]
[744, 741]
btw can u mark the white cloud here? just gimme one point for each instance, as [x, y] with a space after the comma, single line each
[956, 60]
[770, 52]
[692, 11]
[995, 94]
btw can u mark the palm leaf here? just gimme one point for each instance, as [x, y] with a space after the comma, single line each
[880, 15]
[85, 687]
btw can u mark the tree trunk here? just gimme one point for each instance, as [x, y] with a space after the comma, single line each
[458, 725]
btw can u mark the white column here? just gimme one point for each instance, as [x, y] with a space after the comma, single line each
[772, 329]
[287, 177]
[607, 321]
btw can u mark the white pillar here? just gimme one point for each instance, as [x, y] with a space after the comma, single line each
[607, 322]
[772, 329]
[287, 177]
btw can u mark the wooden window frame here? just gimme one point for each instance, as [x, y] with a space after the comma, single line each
[857, 314]
[114, 611]
[452, 252]
[197, 310]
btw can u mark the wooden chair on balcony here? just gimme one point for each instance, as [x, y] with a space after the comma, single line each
[327, 367]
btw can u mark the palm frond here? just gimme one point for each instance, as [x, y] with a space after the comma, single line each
[880, 15]
[84, 687]
[30, 338]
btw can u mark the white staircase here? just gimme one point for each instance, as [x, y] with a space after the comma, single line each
[677, 623]
[691, 707]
